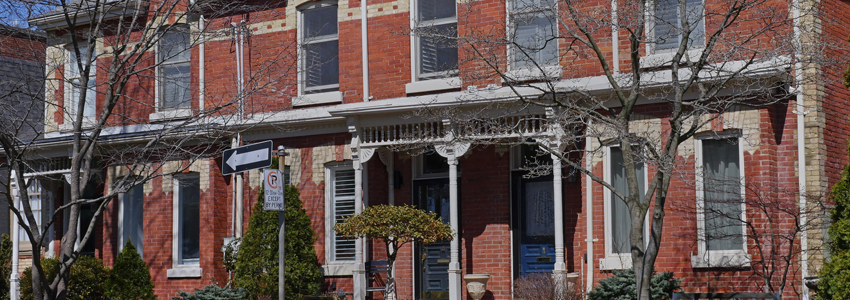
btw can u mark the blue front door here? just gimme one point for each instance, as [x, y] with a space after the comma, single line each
[433, 263]
[534, 226]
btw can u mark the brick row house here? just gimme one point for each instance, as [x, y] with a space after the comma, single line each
[361, 104]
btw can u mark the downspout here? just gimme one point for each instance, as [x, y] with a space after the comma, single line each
[364, 39]
[240, 112]
[615, 38]
[589, 207]
[801, 149]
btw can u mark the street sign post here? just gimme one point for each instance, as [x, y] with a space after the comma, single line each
[245, 158]
[273, 191]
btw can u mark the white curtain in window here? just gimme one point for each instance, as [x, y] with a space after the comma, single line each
[620, 218]
[722, 190]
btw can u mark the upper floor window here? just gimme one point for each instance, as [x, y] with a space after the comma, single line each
[320, 48]
[669, 24]
[174, 69]
[436, 28]
[534, 30]
[77, 82]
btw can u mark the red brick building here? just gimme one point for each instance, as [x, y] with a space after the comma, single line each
[362, 125]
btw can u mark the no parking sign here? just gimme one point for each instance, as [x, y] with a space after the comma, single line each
[273, 180]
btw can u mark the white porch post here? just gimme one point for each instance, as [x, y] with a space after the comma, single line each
[359, 272]
[454, 264]
[560, 265]
[14, 279]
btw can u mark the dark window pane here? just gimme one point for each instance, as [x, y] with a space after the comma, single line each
[175, 82]
[535, 39]
[436, 9]
[322, 65]
[320, 22]
[621, 225]
[174, 44]
[722, 190]
[189, 220]
[438, 49]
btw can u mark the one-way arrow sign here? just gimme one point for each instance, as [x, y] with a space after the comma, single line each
[248, 157]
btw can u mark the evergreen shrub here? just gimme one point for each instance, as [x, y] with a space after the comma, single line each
[212, 292]
[130, 278]
[622, 286]
[87, 279]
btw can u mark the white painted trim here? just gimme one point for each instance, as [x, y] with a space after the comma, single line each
[158, 67]
[302, 57]
[665, 58]
[414, 51]
[718, 258]
[184, 272]
[338, 269]
[542, 73]
[171, 114]
[69, 103]
[319, 98]
[432, 85]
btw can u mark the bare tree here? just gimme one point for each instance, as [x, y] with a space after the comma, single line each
[115, 58]
[551, 75]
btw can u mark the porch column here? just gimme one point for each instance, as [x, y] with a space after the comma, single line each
[560, 265]
[359, 155]
[451, 153]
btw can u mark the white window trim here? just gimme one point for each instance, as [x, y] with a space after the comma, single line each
[333, 267]
[318, 98]
[694, 51]
[616, 261]
[178, 270]
[427, 85]
[88, 122]
[161, 114]
[718, 258]
[531, 73]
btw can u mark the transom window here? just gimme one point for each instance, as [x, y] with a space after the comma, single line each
[669, 24]
[534, 29]
[436, 29]
[320, 48]
[173, 72]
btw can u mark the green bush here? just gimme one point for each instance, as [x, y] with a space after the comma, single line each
[5, 265]
[256, 264]
[834, 280]
[212, 292]
[622, 286]
[87, 279]
[130, 278]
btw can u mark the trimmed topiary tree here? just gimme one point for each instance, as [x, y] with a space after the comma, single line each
[212, 292]
[622, 286]
[395, 226]
[87, 281]
[130, 278]
[256, 265]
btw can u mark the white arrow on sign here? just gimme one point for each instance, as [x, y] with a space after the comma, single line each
[238, 159]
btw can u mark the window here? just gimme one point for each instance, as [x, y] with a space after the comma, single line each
[76, 83]
[34, 190]
[320, 48]
[722, 201]
[534, 28]
[340, 196]
[669, 27]
[720, 206]
[173, 70]
[618, 219]
[131, 210]
[436, 29]
[187, 196]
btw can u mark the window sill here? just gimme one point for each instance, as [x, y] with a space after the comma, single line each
[727, 259]
[664, 58]
[172, 114]
[533, 74]
[616, 262]
[339, 269]
[184, 272]
[88, 122]
[320, 98]
[432, 85]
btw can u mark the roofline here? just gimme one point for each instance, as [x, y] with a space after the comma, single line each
[110, 9]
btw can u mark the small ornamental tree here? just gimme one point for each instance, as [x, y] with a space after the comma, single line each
[256, 265]
[130, 278]
[834, 280]
[88, 278]
[395, 226]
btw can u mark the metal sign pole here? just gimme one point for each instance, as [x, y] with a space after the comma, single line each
[281, 222]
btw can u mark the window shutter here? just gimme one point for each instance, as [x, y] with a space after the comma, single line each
[428, 55]
[343, 195]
